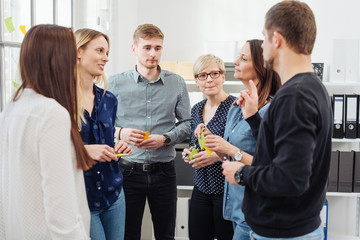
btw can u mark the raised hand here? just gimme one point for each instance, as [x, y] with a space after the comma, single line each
[249, 101]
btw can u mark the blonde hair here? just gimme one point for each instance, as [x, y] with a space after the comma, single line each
[204, 61]
[83, 37]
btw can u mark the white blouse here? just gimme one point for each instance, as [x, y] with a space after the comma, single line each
[42, 193]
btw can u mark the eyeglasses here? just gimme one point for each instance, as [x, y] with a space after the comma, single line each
[204, 76]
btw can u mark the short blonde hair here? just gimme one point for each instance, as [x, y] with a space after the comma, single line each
[204, 61]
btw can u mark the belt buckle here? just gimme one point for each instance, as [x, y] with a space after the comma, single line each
[146, 167]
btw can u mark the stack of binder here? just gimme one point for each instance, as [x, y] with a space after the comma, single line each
[344, 175]
[346, 116]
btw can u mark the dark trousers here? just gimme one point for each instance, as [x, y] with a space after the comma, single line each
[159, 187]
[206, 219]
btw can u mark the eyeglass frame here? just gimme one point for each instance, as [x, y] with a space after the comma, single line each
[208, 74]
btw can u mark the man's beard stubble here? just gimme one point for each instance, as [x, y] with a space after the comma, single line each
[269, 64]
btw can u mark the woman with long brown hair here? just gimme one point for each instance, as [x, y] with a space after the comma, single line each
[41, 152]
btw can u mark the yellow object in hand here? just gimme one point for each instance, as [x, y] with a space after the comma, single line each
[209, 152]
[121, 154]
[202, 144]
[146, 135]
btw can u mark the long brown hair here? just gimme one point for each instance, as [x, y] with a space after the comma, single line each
[48, 66]
[269, 80]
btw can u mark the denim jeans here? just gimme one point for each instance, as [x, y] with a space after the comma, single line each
[206, 219]
[318, 234]
[109, 223]
[159, 187]
[241, 231]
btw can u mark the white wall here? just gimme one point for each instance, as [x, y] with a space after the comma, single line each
[189, 25]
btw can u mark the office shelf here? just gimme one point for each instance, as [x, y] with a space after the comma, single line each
[345, 140]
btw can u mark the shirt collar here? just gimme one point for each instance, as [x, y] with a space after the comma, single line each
[138, 78]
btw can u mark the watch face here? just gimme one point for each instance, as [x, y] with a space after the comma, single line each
[237, 177]
[238, 156]
[167, 139]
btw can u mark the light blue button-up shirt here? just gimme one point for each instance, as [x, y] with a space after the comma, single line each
[239, 134]
[161, 107]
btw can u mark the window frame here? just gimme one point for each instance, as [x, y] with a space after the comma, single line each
[9, 44]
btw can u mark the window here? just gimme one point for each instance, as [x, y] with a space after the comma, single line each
[17, 16]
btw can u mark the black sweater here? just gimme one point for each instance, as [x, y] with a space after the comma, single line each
[286, 184]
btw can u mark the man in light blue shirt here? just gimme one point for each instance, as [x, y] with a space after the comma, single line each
[157, 101]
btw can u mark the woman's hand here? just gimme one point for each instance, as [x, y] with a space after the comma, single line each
[199, 128]
[202, 159]
[101, 152]
[218, 144]
[186, 153]
[249, 101]
[123, 147]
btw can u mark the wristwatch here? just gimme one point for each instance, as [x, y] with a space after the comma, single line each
[238, 156]
[167, 139]
[239, 176]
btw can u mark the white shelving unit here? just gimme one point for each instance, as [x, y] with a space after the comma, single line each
[343, 215]
[343, 208]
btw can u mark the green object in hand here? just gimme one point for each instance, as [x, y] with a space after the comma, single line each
[193, 152]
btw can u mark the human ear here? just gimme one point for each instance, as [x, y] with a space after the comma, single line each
[133, 48]
[277, 39]
[79, 54]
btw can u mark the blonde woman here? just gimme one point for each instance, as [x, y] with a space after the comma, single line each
[104, 180]
[206, 219]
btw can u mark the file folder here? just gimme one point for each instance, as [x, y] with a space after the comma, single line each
[346, 166]
[338, 116]
[356, 183]
[334, 172]
[358, 125]
[351, 115]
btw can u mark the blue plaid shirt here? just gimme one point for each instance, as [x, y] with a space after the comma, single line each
[104, 180]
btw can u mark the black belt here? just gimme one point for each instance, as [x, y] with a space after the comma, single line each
[146, 167]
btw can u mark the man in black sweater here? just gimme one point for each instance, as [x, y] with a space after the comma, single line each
[286, 183]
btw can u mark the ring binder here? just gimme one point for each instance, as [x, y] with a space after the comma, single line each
[338, 107]
[351, 115]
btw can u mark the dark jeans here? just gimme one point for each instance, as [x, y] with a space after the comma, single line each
[159, 187]
[206, 219]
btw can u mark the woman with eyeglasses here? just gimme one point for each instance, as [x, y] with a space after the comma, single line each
[238, 143]
[206, 220]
